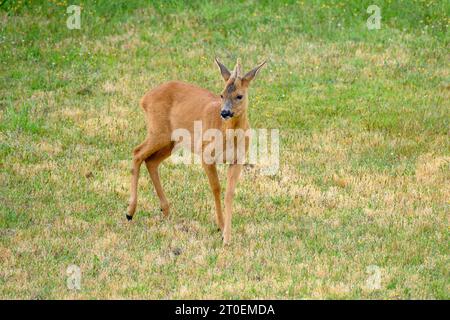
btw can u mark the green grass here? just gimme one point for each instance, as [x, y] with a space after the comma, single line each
[365, 158]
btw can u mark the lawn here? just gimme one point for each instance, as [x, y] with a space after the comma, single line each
[359, 208]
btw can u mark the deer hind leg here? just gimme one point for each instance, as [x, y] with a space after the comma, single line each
[140, 153]
[152, 164]
[211, 172]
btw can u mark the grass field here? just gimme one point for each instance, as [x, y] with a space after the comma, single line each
[363, 188]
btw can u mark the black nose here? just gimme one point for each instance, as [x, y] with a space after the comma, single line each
[226, 114]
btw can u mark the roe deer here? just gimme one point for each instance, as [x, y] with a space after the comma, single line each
[174, 105]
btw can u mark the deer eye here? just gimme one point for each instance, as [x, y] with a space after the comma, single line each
[239, 97]
[221, 96]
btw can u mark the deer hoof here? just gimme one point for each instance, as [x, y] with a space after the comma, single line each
[165, 211]
[129, 218]
[226, 239]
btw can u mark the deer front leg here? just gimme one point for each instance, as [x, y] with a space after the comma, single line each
[234, 171]
[214, 182]
[213, 178]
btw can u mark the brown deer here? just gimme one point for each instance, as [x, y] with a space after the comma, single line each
[174, 105]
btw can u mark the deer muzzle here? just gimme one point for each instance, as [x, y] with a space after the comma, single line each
[226, 112]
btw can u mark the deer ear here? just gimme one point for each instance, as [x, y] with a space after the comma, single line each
[252, 73]
[223, 70]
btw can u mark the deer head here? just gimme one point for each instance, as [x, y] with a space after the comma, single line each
[234, 95]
